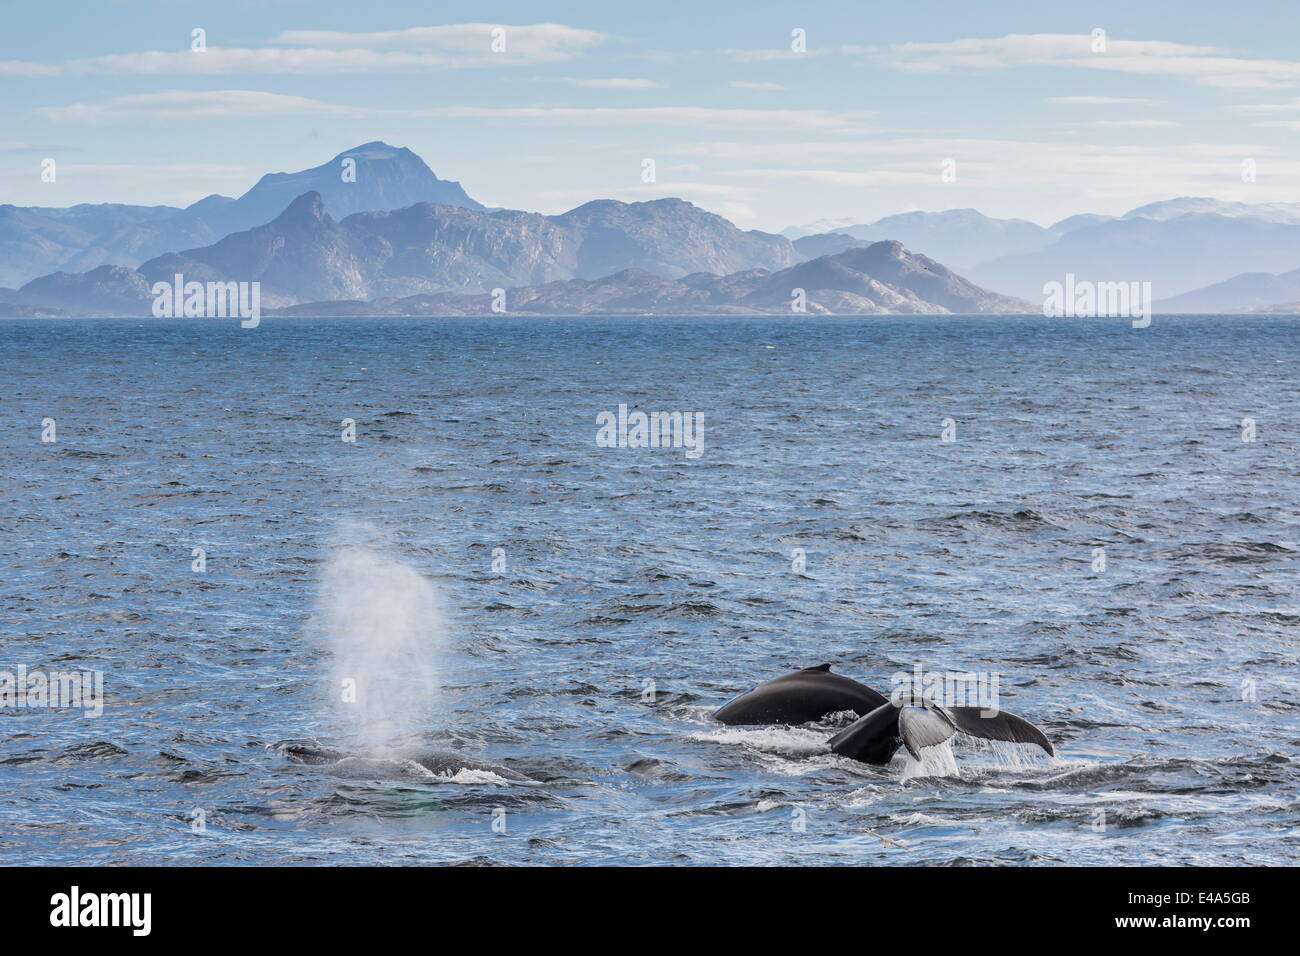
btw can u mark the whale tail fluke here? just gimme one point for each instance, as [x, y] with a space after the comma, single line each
[921, 727]
[999, 726]
[876, 737]
[870, 739]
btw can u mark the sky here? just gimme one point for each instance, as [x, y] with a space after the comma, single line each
[1017, 109]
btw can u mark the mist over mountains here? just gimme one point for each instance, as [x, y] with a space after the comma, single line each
[375, 226]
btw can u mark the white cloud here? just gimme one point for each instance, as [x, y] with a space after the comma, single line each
[766, 56]
[1269, 107]
[1206, 65]
[252, 103]
[843, 177]
[417, 50]
[752, 85]
[22, 68]
[610, 83]
[1003, 172]
[541, 41]
[178, 104]
[1100, 100]
[1132, 124]
[774, 120]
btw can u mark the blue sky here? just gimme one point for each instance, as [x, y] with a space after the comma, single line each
[1039, 125]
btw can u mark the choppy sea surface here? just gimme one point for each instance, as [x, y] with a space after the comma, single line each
[635, 590]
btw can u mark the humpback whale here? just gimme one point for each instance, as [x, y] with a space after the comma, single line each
[917, 723]
[882, 726]
[806, 695]
[444, 763]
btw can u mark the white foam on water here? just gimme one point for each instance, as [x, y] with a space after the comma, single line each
[472, 777]
[791, 741]
[1004, 755]
[384, 622]
[927, 820]
[869, 796]
[936, 761]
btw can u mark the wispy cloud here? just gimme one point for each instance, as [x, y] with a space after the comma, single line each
[1101, 100]
[1209, 66]
[1287, 106]
[755, 85]
[538, 40]
[1132, 124]
[178, 104]
[775, 120]
[607, 83]
[253, 103]
[417, 50]
[1005, 170]
[767, 56]
[842, 177]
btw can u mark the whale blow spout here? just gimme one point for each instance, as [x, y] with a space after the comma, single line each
[383, 620]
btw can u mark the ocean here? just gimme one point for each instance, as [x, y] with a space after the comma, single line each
[1103, 520]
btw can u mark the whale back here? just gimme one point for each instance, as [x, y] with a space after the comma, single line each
[444, 763]
[448, 763]
[798, 698]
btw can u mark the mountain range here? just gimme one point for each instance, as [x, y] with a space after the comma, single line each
[305, 255]
[1248, 292]
[374, 225]
[1178, 245]
[36, 240]
[880, 277]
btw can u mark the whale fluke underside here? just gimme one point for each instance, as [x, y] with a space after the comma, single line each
[921, 727]
[877, 736]
[1000, 726]
[800, 697]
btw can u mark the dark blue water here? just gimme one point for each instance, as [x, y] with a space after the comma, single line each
[631, 570]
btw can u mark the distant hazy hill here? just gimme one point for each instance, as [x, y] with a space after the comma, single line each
[1174, 255]
[1248, 292]
[36, 240]
[305, 255]
[1176, 244]
[1188, 205]
[883, 277]
[958, 237]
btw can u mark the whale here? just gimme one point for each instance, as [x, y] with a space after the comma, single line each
[916, 723]
[802, 697]
[883, 725]
[441, 763]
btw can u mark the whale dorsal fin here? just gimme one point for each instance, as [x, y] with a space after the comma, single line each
[820, 667]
